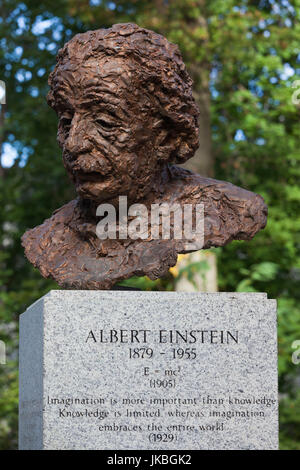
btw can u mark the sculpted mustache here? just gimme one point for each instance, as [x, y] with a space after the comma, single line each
[80, 163]
[105, 150]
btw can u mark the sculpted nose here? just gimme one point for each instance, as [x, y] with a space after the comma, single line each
[77, 141]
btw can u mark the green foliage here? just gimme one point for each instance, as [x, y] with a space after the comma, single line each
[243, 50]
[189, 271]
[262, 272]
[8, 405]
[144, 283]
[290, 423]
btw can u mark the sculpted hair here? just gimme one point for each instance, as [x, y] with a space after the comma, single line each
[159, 73]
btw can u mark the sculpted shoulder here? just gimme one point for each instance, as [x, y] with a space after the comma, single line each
[230, 212]
[50, 240]
[65, 248]
[192, 185]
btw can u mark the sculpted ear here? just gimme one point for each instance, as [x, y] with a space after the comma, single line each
[185, 152]
[165, 140]
[174, 144]
[176, 135]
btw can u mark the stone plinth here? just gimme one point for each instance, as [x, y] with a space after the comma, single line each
[148, 370]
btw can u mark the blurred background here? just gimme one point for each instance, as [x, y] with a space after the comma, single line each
[244, 58]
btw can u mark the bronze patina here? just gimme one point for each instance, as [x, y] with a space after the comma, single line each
[126, 116]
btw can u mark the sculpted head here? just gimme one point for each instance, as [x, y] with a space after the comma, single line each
[125, 107]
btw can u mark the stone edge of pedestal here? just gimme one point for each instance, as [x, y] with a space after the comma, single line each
[166, 294]
[31, 385]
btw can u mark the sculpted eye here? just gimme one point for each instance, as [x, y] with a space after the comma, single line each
[66, 122]
[105, 124]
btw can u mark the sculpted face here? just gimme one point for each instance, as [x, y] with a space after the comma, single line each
[125, 107]
[108, 130]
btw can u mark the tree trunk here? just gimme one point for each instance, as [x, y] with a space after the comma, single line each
[203, 162]
[204, 279]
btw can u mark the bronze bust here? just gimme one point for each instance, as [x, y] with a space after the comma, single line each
[126, 115]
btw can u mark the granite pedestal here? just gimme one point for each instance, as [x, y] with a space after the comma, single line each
[148, 370]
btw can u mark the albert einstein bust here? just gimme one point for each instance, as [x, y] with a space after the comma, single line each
[126, 115]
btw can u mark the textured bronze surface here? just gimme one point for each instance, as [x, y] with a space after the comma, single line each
[126, 114]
